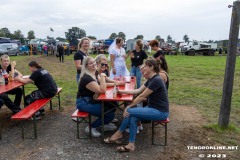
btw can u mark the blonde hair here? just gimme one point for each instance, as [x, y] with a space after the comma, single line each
[100, 57]
[5, 57]
[84, 69]
[81, 42]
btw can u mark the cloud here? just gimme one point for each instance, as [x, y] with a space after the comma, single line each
[199, 19]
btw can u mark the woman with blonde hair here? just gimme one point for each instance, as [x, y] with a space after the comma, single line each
[89, 85]
[82, 52]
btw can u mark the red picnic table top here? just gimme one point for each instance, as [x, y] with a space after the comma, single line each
[11, 85]
[108, 96]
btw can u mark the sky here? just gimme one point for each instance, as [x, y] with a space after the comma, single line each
[199, 19]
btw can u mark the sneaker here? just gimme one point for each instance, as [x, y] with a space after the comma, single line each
[114, 120]
[94, 132]
[127, 130]
[110, 127]
[140, 128]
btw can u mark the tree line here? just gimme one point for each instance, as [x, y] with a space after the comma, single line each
[75, 33]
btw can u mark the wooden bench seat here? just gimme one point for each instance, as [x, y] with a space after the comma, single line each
[82, 117]
[30, 111]
[164, 124]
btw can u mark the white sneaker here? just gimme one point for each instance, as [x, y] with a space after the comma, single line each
[110, 127]
[94, 132]
[140, 128]
[127, 130]
[114, 120]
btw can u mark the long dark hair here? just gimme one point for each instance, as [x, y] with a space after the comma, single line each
[163, 64]
[34, 64]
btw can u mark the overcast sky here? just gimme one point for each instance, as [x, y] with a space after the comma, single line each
[199, 19]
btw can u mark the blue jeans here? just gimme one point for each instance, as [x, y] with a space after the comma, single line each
[77, 77]
[138, 114]
[95, 109]
[135, 71]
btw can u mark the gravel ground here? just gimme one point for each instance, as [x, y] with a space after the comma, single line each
[57, 139]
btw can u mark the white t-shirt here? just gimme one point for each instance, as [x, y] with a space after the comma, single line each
[119, 55]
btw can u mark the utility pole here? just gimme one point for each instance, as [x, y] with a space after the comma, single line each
[224, 115]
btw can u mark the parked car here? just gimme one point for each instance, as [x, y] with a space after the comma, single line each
[9, 49]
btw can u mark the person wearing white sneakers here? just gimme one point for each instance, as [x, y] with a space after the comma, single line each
[91, 84]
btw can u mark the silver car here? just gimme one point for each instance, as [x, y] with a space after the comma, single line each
[9, 49]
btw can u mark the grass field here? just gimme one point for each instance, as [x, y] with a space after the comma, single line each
[195, 81]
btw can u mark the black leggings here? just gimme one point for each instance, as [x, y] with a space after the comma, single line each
[35, 95]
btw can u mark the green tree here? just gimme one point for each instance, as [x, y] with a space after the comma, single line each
[31, 34]
[4, 32]
[92, 37]
[122, 35]
[73, 34]
[169, 39]
[18, 34]
[113, 36]
[139, 37]
[158, 37]
[186, 38]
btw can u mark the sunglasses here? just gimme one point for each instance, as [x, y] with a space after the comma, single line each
[103, 64]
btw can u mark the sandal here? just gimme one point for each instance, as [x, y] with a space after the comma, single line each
[109, 141]
[124, 149]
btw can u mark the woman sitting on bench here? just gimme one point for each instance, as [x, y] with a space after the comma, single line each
[158, 107]
[47, 87]
[91, 84]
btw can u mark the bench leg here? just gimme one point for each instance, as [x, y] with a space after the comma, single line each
[78, 128]
[22, 129]
[90, 127]
[35, 126]
[165, 134]
[152, 132]
[51, 105]
[59, 103]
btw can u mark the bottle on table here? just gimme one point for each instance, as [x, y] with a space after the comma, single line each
[115, 91]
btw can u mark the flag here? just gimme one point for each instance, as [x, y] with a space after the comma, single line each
[51, 29]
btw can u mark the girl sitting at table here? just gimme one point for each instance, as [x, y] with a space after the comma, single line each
[89, 85]
[158, 106]
[102, 67]
[47, 87]
[9, 68]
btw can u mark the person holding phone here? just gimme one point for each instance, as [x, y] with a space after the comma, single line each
[9, 68]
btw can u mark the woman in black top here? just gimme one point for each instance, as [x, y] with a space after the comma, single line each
[81, 53]
[91, 84]
[137, 56]
[157, 109]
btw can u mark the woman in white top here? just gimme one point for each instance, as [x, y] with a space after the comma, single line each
[117, 58]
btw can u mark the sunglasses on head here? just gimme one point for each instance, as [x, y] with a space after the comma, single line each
[103, 64]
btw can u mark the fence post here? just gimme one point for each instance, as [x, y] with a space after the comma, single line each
[224, 115]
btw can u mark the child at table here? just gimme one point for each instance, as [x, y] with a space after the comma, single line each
[8, 68]
[47, 87]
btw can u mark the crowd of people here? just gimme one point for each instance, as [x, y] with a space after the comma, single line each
[93, 76]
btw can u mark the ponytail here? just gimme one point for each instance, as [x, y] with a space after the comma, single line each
[34, 64]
